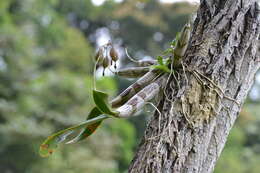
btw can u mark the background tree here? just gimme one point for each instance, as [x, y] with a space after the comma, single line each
[46, 49]
[221, 60]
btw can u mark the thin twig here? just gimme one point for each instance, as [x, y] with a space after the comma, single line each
[160, 114]
[184, 71]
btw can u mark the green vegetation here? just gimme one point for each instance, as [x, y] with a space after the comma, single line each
[46, 60]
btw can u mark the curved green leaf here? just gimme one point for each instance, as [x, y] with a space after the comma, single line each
[101, 101]
[51, 143]
[90, 128]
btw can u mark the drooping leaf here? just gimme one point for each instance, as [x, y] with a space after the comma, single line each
[101, 101]
[51, 143]
[102, 104]
[87, 131]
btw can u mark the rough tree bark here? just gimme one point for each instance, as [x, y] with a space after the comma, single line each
[189, 134]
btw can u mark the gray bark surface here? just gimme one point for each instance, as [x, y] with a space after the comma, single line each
[196, 117]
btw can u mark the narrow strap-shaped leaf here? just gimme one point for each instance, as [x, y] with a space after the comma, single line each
[138, 101]
[134, 88]
[133, 72]
[88, 130]
[51, 143]
[101, 102]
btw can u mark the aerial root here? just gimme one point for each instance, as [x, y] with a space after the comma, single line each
[184, 112]
[160, 114]
[184, 71]
[215, 87]
[168, 79]
[177, 79]
[204, 81]
[218, 87]
[160, 133]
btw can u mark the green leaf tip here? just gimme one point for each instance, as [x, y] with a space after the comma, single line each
[86, 128]
[51, 143]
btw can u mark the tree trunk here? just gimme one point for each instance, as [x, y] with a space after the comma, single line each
[204, 98]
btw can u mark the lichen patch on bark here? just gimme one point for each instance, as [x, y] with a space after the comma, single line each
[199, 102]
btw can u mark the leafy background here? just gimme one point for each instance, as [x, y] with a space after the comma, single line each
[46, 64]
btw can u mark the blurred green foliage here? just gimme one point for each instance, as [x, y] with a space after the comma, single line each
[46, 65]
[242, 150]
